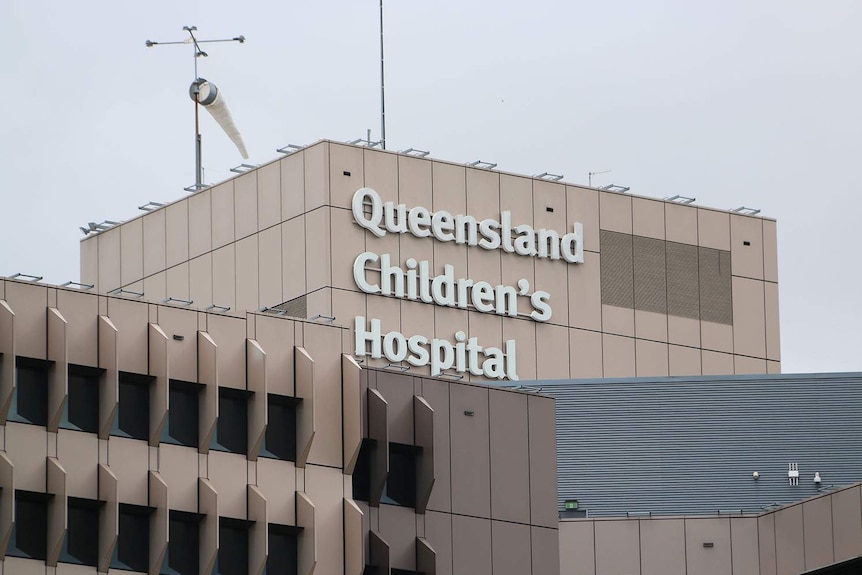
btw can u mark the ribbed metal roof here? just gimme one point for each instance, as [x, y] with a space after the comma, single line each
[690, 445]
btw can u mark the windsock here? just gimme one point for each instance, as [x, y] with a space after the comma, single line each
[208, 96]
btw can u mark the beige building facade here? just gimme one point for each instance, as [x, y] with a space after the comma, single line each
[153, 438]
[638, 287]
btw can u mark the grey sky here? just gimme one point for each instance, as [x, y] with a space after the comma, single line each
[754, 103]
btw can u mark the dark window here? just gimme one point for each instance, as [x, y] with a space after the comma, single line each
[182, 557]
[280, 439]
[30, 535]
[133, 409]
[133, 545]
[362, 471]
[183, 408]
[401, 481]
[282, 558]
[31, 391]
[232, 546]
[82, 408]
[81, 544]
[232, 427]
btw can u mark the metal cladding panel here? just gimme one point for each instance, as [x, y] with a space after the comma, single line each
[690, 445]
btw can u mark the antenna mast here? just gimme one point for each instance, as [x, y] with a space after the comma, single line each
[198, 52]
[382, 86]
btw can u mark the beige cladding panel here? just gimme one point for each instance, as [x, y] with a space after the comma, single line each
[510, 457]
[847, 523]
[277, 481]
[154, 287]
[200, 223]
[552, 277]
[485, 266]
[577, 548]
[549, 207]
[683, 360]
[767, 544]
[350, 241]
[817, 533]
[773, 334]
[649, 325]
[293, 252]
[201, 281]
[770, 251]
[276, 337]
[229, 335]
[648, 218]
[247, 295]
[270, 261]
[524, 333]
[346, 173]
[438, 532]
[789, 540]
[749, 329]
[552, 351]
[154, 243]
[585, 293]
[483, 195]
[132, 251]
[470, 457]
[514, 268]
[715, 363]
[471, 546]
[585, 354]
[683, 331]
[449, 188]
[318, 342]
[398, 529]
[618, 354]
[415, 319]
[325, 488]
[414, 181]
[81, 310]
[381, 174]
[130, 319]
[488, 329]
[713, 229]
[177, 233]
[245, 205]
[268, 196]
[78, 453]
[90, 261]
[181, 327]
[680, 223]
[398, 393]
[228, 474]
[516, 196]
[316, 167]
[746, 245]
[317, 249]
[510, 543]
[618, 320]
[662, 547]
[129, 461]
[652, 358]
[26, 447]
[223, 214]
[617, 547]
[708, 548]
[436, 393]
[749, 365]
[177, 282]
[292, 185]
[615, 212]
[224, 276]
[745, 556]
[543, 462]
[109, 260]
[178, 467]
[582, 205]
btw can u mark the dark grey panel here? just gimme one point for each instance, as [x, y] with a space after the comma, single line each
[715, 286]
[650, 275]
[682, 280]
[296, 307]
[690, 446]
[617, 274]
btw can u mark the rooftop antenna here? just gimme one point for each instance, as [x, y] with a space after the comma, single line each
[206, 94]
[591, 174]
[382, 87]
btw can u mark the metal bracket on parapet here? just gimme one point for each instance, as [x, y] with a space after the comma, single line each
[396, 366]
[326, 318]
[677, 199]
[150, 206]
[77, 285]
[482, 165]
[548, 176]
[185, 302]
[121, 291]
[289, 149]
[414, 152]
[615, 188]
[243, 168]
[745, 211]
[27, 277]
[218, 308]
[452, 376]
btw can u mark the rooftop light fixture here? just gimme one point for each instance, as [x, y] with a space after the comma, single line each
[243, 168]
[93, 227]
[289, 149]
[414, 152]
[482, 165]
[548, 176]
[680, 199]
[396, 366]
[27, 277]
[150, 206]
[745, 211]
[615, 188]
[78, 285]
[185, 302]
[121, 291]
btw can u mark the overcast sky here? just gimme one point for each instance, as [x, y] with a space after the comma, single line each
[755, 103]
